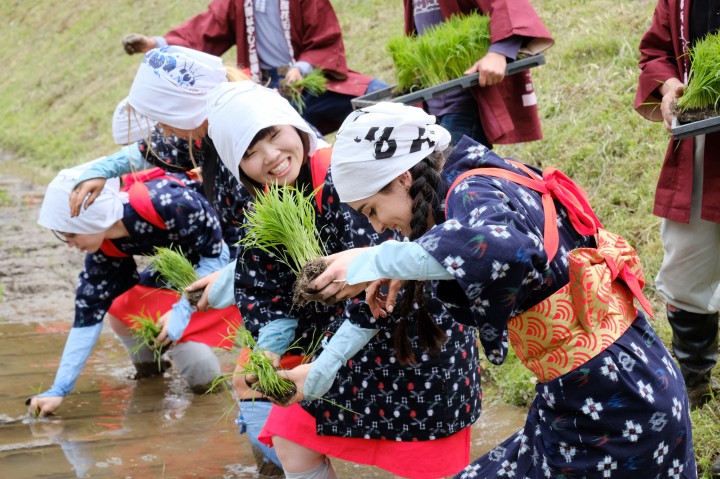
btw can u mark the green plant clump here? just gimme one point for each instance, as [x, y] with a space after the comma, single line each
[703, 89]
[441, 53]
[281, 222]
[145, 330]
[260, 366]
[177, 271]
[314, 83]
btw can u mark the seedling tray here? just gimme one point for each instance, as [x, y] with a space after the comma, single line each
[466, 81]
[695, 128]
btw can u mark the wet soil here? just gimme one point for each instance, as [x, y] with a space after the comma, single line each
[112, 426]
[692, 114]
[311, 270]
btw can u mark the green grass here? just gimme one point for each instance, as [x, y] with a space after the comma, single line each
[175, 269]
[63, 78]
[145, 330]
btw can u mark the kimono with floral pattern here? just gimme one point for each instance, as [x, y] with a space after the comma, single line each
[373, 396]
[192, 226]
[621, 414]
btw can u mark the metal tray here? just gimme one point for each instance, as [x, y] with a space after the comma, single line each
[466, 81]
[687, 130]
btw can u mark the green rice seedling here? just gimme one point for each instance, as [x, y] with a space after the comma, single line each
[281, 222]
[703, 91]
[441, 54]
[145, 330]
[177, 272]
[314, 83]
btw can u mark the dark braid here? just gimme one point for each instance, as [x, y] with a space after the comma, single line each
[423, 192]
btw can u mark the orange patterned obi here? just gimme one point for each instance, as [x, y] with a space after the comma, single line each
[586, 316]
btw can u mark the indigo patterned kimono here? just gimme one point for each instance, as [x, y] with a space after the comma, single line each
[192, 226]
[373, 396]
[620, 414]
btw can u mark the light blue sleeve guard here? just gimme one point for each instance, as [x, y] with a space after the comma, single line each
[304, 67]
[207, 265]
[277, 335]
[395, 260]
[222, 291]
[344, 344]
[127, 159]
[79, 345]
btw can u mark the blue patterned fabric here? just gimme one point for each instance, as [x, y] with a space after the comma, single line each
[192, 226]
[373, 396]
[622, 414]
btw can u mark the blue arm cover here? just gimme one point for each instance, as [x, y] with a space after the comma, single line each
[179, 318]
[207, 265]
[344, 344]
[222, 292]
[277, 335]
[395, 260]
[79, 345]
[125, 160]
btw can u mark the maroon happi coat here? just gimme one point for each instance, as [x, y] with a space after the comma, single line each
[504, 117]
[314, 31]
[662, 51]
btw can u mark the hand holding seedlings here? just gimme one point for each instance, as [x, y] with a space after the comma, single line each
[177, 271]
[490, 68]
[162, 338]
[330, 287]
[204, 285]
[297, 375]
[43, 406]
[671, 90]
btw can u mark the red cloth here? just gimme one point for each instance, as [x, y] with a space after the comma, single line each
[503, 116]
[663, 51]
[213, 327]
[417, 459]
[314, 30]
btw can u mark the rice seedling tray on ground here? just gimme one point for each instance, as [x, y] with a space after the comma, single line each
[695, 128]
[466, 81]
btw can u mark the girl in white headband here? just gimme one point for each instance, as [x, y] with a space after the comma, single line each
[522, 257]
[169, 211]
[263, 140]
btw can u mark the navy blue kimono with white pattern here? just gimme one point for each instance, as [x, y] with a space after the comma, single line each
[192, 226]
[438, 397]
[622, 414]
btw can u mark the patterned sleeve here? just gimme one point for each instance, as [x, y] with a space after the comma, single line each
[101, 281]
[494, 251]
[190, 220]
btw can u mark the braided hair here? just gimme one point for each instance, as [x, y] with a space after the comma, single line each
[425, 201]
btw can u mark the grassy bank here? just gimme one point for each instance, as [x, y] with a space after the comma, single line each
[65, 71]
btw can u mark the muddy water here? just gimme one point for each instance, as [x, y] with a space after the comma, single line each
[111, 426]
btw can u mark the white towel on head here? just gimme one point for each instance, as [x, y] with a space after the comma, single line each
[128, 125]
[376, 144]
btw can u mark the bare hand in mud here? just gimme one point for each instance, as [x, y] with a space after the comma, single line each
[164, 322]
[43, 406]
[205, 282]
[491, 69]
[86, 192]
[383, 303]
[137, 43]
[330, 287]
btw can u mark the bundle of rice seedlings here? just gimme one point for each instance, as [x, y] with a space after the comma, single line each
[260, 373]
[177, 272]
[145, 330]
[702, 96]
[314, 83]
[442, 53]
[281, 221]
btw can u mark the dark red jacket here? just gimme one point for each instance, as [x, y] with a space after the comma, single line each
[314, 30]
[505, 119]
[662, 51]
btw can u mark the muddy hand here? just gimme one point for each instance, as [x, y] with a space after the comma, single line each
[205, 282]
[43, 406]
[297, 376]
[673, 89]
[137, 43]
[331, 286]
[164, 322]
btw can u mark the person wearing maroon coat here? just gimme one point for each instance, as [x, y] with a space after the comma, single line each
[275, 39]
[687, 195]
[499, 110]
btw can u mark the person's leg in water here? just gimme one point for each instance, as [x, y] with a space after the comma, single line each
[197, 364]
[142, 357]
[253, 411]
